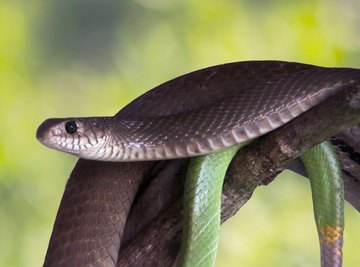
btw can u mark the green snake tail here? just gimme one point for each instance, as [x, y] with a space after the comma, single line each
[327, 188]
[202, 206]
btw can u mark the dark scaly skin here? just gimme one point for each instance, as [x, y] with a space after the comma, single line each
[236, 108]
[92, 214]
[206, 86]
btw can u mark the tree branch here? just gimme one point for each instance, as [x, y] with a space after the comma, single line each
[157, 241]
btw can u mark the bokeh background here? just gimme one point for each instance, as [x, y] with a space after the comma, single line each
[82, 58]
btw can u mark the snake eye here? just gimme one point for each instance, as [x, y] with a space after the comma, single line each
[70, 127]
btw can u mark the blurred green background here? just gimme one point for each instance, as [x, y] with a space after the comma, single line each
[82, 58]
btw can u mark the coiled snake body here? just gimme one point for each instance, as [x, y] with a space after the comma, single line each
[196, 114]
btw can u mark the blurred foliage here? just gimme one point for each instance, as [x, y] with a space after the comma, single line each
[82, 58]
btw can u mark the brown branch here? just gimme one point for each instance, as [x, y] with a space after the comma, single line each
[156, 244]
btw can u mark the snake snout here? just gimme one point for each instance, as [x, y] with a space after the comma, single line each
[43, 132]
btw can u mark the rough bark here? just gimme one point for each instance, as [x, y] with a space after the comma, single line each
[157, 239]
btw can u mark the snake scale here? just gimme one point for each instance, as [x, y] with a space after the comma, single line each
[202, 112]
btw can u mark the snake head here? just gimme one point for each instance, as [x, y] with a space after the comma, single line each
[82, 137]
